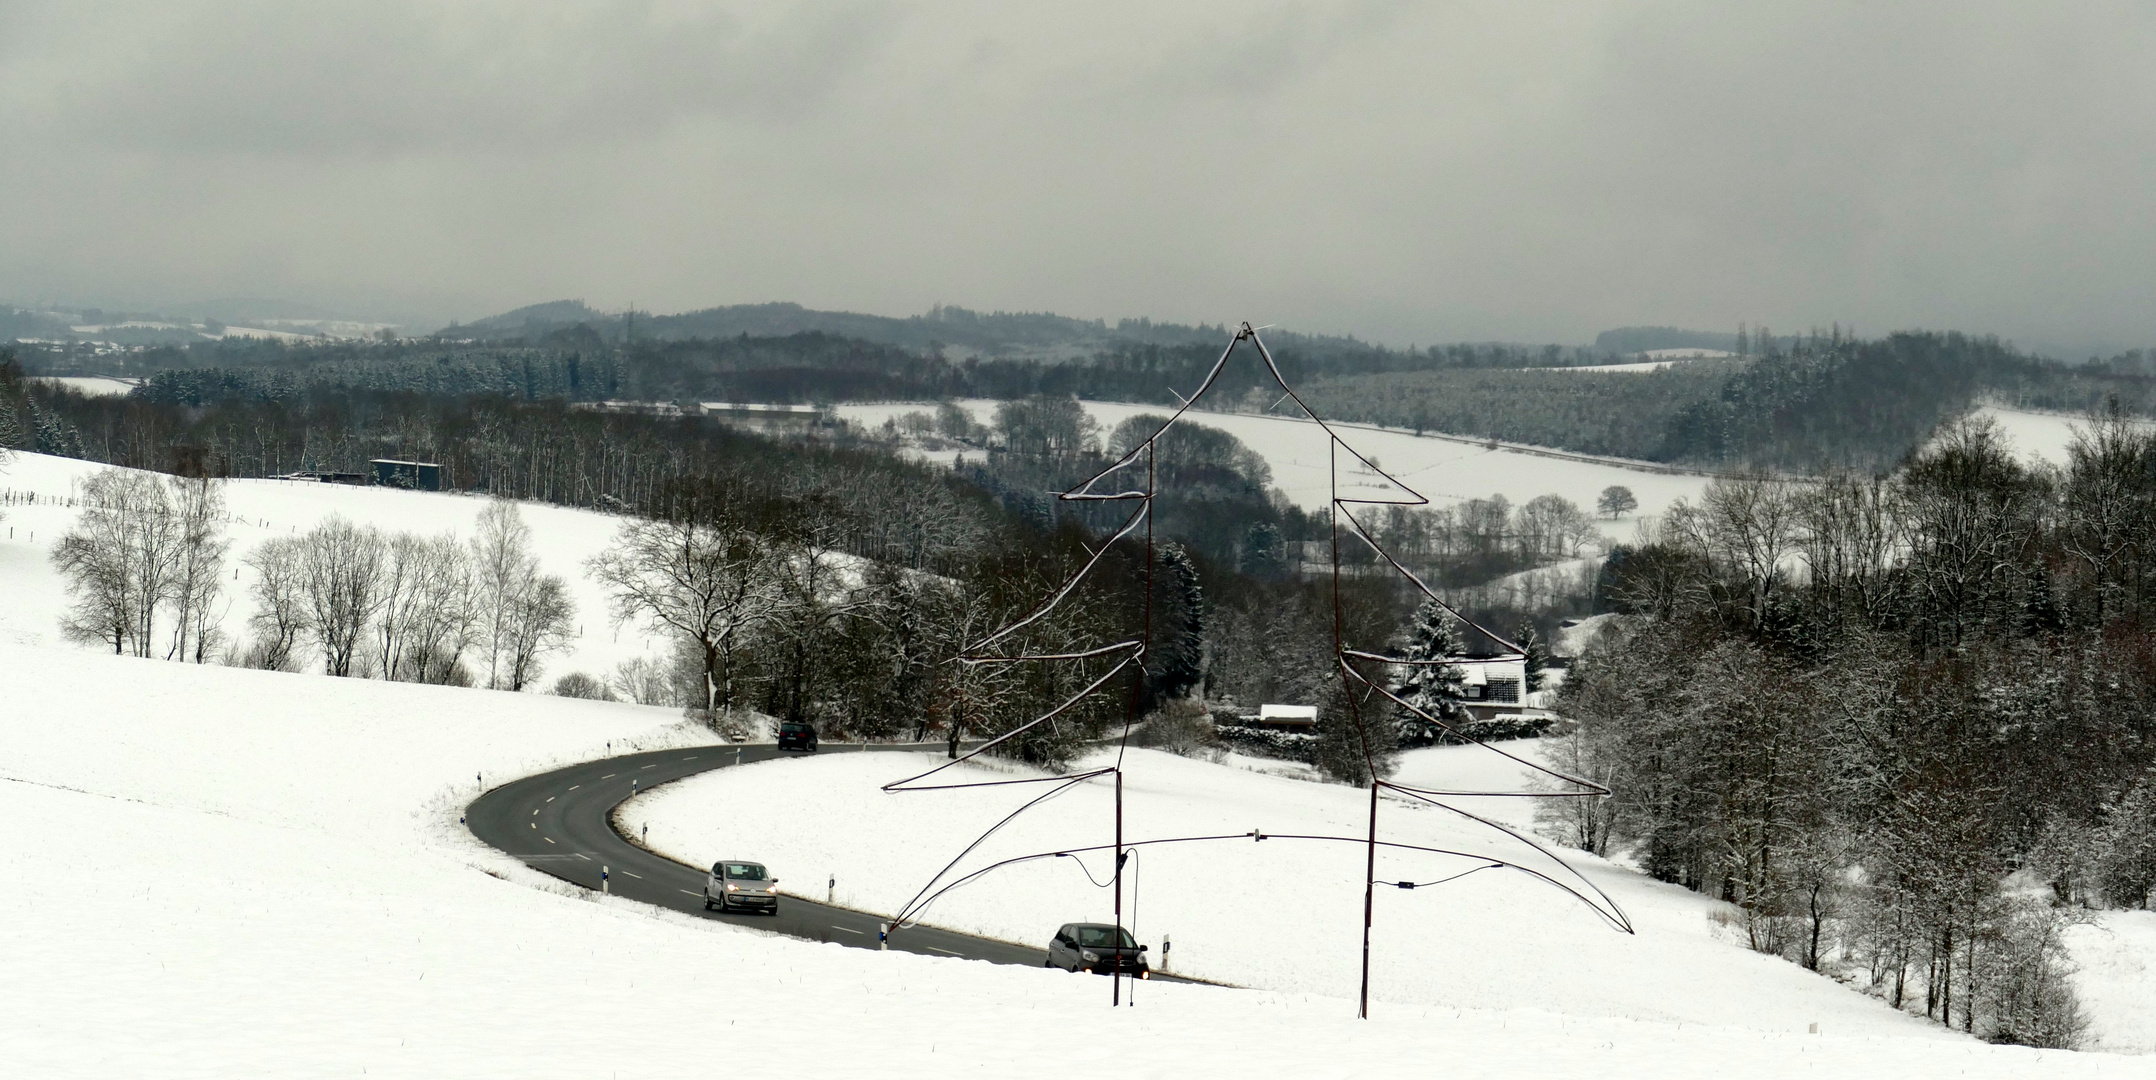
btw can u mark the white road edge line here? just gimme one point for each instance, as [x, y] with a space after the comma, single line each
[686, 892]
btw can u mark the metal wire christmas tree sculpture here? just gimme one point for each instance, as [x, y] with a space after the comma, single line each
[1365, 695]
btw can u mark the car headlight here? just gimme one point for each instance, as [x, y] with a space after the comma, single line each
[733, 888]
[772, 889]
[1089, 956]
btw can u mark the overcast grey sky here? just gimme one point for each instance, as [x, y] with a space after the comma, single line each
[1409, 172]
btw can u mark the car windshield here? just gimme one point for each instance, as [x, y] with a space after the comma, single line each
[1103, 937]
[746, 871]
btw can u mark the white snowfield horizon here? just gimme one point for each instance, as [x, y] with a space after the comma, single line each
[1451, 469]
[223, 871]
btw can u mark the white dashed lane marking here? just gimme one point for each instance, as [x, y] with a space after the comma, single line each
[851, 930]
[945, 952]
[549, 839]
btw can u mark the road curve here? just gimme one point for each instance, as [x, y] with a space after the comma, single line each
[561, 823]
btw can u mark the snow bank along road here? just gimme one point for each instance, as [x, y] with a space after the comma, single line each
[560, 823]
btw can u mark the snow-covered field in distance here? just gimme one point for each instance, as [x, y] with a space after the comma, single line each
[1446, 470]
[1661, 358]
[92, 385]
[2037, 436]
[562, 538]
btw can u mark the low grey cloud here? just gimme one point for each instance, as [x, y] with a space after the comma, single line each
[1410, 172]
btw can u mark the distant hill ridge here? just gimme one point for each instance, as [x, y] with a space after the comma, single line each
[959, 332]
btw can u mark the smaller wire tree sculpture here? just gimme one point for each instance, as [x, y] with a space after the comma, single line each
[1360, 669]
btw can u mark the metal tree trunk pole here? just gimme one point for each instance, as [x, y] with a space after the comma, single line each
[1369, 900]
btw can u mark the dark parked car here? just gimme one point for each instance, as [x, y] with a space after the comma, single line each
[797, 737]
[1100, 948]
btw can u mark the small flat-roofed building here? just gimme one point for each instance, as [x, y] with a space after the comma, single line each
[1288, 717]
[417, 475]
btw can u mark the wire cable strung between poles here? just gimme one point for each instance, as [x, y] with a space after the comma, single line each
[1358, 687]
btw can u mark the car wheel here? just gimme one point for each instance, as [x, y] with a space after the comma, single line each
[707, 903]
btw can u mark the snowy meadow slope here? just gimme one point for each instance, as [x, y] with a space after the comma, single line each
[1446, 471]
[229, 872]
[562, 539]
[1281, 914]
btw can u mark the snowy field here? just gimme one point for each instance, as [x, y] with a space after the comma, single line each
[222, 872]
[562, 538]
[2037, 436]
[92, 385]
[1446, 470]
[1284, 915]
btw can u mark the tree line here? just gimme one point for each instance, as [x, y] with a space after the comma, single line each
[1808, 404]
[1903, 723]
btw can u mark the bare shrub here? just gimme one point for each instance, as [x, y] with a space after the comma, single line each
[1181, 726]
[576, 684]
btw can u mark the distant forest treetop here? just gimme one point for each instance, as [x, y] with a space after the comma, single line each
[955, 332]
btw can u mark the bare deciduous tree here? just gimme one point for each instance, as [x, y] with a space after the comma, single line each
[119, 561]
[542, 620]
[198, 576]
[341, 567]
[705, 581]
[280, 604]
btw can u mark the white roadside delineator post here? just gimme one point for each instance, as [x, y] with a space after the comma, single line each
[605, 886]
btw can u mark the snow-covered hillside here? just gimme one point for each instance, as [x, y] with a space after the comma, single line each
[1283, 914]
[562, 539]
[1445, 470]
[1286, 915]
[225, 872]
[2037, 436]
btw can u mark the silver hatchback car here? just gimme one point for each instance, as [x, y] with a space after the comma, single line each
[740, 886]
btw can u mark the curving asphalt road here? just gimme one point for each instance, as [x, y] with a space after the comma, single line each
[561, 823]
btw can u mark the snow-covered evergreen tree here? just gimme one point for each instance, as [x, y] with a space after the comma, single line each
[1178, 668]
[1538, 655]
[1433, 688]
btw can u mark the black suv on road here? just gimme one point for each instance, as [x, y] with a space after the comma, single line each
[797, 737]
[1100, 948]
